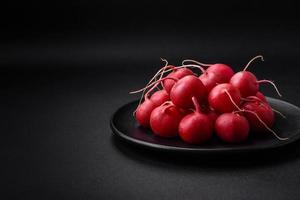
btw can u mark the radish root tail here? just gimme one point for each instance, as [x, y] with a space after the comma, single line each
[232, 100]
[151, 80]
[272, 83]
[279, 113]
[256, 57]
[196, 62]
[154, 83]
[265, 125]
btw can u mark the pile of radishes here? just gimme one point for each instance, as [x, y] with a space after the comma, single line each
[178, 102]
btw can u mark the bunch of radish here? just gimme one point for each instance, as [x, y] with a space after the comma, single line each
[178, 102]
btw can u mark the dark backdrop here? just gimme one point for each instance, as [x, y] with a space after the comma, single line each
[66, 66]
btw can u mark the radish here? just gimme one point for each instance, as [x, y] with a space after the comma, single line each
[265, 113]
[212, 115]
[223, 71]
[247, 82]
[261, 96]
[159, 97]
[260, 117]
[168, 109]
[259, 100]
[232, 127]
[143, 112]
[214, 74]
[253, 98]
[224, 98]
[164, 120]
[259, 114]
[178, 74]
[196, 127]
[182, 92]
[210, 80]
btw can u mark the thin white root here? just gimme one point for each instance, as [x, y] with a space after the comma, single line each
[153, 79]
[276, 111]
[272, 83]
[256, 57]
[265, 125]
[232, 100]
[196, 62]
[150, 85]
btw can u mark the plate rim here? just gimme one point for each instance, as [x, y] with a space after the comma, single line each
[224, 150]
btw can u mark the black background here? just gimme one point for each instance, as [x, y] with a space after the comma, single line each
[66, 66]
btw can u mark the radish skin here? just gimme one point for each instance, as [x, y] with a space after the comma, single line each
[186, 88]
[232, 128]
[164, 120]
[196, 127]
[220, 101]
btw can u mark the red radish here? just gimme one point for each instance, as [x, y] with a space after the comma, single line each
[215, 74]
[261, 96]
[259, 114]
[232, 127]
[210, 80]
[212, 115]
[196, 127]
[247, 82]
[186, 88]
[223, 71]
[143, 112]
[252, 98]
[178, 74]
[164, 120]
[263, 111]
[219, 98]
[159, 97]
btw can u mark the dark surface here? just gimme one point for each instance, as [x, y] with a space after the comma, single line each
[66, 66]
[125, 126]
[57, 143]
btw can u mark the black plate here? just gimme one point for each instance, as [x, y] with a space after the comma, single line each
[124, 125]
